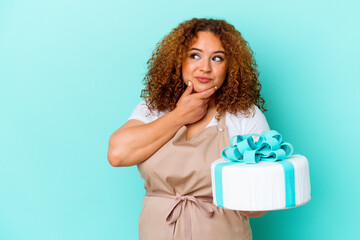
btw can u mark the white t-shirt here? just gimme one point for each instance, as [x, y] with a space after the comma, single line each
[237, 124]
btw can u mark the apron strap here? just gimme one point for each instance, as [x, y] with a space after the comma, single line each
[176, 207]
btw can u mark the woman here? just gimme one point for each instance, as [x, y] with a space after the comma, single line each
[201, 88]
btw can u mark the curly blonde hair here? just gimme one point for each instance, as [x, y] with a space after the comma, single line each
[163, 81]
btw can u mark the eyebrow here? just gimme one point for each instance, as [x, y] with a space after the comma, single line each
[201, 50]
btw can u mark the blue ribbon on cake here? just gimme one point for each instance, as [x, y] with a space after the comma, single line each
[270, 148]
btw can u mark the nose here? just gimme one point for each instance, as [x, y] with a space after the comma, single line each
[205, 65]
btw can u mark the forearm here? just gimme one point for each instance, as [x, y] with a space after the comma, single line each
[253, 214]
[134, 145]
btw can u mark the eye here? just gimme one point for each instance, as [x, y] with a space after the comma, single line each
[218, 59]
[194, 56]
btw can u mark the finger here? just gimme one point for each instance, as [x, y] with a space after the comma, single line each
[188, 90]
[206, 100]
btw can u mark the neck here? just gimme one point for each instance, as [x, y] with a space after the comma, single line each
[212, 104]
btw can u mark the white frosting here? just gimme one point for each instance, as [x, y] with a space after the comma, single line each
[261, 186]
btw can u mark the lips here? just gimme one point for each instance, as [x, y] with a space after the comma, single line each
[203, 79]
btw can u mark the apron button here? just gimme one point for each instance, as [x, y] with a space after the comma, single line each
[221, 129]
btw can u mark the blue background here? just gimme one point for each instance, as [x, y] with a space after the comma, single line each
[70, 75]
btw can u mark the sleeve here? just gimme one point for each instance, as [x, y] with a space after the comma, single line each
[256, 122]
[238, 124]
[142, 113]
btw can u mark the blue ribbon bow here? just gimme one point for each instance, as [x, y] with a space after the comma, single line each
[269, 147]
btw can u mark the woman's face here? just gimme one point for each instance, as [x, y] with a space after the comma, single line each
[205, 63]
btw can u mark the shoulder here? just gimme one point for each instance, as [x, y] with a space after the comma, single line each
[255, 122]
[143, 113]
[255, 114]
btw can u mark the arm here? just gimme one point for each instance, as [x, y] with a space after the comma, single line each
[135, 141]
[253, 214]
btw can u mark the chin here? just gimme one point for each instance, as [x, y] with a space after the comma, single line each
[201, 88]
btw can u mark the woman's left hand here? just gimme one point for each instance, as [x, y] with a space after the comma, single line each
[253, 214]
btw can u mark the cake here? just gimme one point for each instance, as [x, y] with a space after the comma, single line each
[261, 175]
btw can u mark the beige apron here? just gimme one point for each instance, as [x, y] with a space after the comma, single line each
[178, 201]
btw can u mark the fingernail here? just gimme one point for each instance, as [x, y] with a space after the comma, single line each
[215, 87]
[189, 83]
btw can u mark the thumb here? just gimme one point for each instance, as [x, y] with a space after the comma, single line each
[188, 90]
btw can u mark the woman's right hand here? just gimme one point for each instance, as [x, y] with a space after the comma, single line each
[135, 141]
[192, 107]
